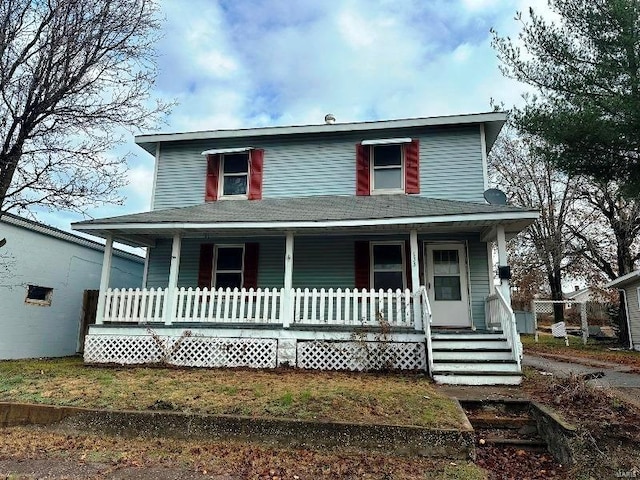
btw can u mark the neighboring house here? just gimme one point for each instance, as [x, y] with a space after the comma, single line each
[580, 295]
[289, 245]
[630, 285]
[43, 273]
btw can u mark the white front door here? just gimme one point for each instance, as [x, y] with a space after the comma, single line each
[446, 267]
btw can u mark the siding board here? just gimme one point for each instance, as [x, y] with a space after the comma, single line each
[450, 165]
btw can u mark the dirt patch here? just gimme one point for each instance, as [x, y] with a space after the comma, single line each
[103, 456]
[607, 437]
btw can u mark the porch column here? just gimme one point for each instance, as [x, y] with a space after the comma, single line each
[287, 304]
[502, 261]
[415, 278]
[104, 278]
[170, 312]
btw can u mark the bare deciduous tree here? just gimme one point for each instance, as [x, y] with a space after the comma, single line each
[547, 245]
[74, 76]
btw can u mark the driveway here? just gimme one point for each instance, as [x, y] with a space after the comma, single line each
[615, 376]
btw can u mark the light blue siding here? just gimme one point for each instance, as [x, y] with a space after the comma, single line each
[319, 262]
[450, 165]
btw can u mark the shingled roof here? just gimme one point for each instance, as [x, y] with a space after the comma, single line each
[308, 209]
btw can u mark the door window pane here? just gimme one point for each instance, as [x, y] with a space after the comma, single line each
[447, 288]
[445, 262]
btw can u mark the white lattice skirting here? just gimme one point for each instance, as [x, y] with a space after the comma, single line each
[193, 351]
[360, 356]
[206, 351]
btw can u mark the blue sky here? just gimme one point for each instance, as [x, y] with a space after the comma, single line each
[233, 64]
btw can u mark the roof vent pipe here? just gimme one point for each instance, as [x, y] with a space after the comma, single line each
[329, 119]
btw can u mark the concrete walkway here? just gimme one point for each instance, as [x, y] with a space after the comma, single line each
[615, 376]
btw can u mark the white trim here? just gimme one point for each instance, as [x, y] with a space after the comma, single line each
[372, 263]
[477, 217]
[146, 141]
[372, 170]
[155, 177]
[485, 163]
[221, 175]
[145, 271]
[214, 267]
[216, 151]
[386, 141]
[623, 279]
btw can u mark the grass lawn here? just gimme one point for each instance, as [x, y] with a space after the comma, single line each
[594, 349]
[332, 396]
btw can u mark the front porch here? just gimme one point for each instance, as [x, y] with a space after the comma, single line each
[357, 295]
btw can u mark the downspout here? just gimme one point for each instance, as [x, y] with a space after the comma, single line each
[626, 314]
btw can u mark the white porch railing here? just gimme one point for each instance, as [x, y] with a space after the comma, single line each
[500, 313]
[399, 308]
[427, 318]
[139, 305]
[352, 307]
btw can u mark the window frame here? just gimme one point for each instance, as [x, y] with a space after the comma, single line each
[214, 266]
[42, 303]
[221, 176]
[373, 168]
[372, 263]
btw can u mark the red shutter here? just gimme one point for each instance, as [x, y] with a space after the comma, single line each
[251, 251]
[362, 169]
[362, 265]
[412, 167]
[255, 176]
[205, 270]
[213, 173]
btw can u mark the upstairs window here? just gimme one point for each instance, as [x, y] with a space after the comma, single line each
[235, 174]
[388, 166]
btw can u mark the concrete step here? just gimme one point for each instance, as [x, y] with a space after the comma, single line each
[480, 366]
[496, 422]
[477, 378]
[480, 354]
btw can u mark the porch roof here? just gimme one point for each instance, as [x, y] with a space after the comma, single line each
[313, 214]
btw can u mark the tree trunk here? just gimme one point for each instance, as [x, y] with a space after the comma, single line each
[555, 282]
[8, 164]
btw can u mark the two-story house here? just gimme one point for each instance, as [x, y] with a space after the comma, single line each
[333, 246]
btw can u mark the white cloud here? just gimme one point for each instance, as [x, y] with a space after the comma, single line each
[237, 64]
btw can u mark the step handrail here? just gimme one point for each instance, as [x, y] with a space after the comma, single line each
[427, 319]
[509, 327]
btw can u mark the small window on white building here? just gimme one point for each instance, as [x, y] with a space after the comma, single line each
[387, 266]
[37, 295]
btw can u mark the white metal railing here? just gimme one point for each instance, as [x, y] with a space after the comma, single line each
[501, 313]
[352, 307]
[427, 319]
[129, 305]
